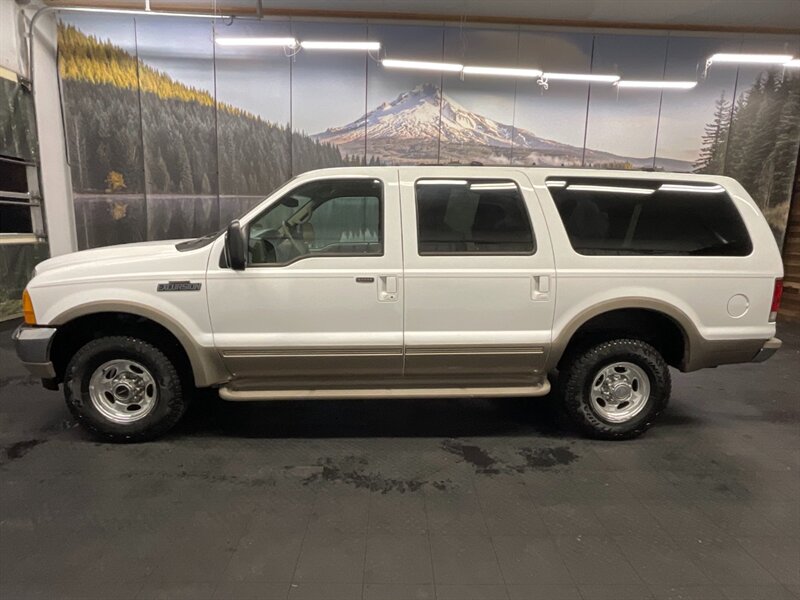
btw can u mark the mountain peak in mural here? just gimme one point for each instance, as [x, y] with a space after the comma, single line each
[407, 130]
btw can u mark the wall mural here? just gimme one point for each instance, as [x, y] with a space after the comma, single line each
[171, 135]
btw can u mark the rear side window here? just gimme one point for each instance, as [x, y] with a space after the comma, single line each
[642, 217]
[472, 216]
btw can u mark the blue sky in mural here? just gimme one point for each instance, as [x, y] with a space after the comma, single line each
[684, 116]
[408, 42]
[254, 78]
[624, 121]
[490, 96]
[558, 113]
[328, 88]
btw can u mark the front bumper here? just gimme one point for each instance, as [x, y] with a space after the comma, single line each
[33, 349]
[770, 347]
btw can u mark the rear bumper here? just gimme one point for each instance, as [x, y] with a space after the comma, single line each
[770, 347]
[33, 349]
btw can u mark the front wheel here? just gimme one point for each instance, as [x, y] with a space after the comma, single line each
[615, 390]
[124, 389]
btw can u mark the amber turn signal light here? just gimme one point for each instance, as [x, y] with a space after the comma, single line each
[27, 309]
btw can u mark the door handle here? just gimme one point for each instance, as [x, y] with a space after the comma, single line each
[387, 288]
[540, 287]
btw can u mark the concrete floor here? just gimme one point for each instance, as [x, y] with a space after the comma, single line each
[409, 499]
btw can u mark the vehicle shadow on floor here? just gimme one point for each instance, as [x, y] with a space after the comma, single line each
[210, 416]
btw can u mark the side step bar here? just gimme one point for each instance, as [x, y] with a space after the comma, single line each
[226, 393]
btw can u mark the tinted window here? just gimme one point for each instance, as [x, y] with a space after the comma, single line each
[476, 216]
[624, 216]
[340, 217]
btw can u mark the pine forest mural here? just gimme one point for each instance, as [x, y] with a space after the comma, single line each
[169, 139]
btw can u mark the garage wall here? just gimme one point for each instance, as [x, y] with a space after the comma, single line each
[22, 240]
[790, 307]
[171, 135]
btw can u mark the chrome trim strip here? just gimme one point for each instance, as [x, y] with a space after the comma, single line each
[226, 393]
[312, 352]
[472, 350]
[308, 352]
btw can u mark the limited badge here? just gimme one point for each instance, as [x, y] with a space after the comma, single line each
[179, 286]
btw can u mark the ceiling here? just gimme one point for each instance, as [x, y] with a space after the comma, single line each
[741, 15]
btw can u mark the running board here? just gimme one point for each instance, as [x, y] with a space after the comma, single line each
[542, 389]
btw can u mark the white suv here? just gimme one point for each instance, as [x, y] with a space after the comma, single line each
[418, 282]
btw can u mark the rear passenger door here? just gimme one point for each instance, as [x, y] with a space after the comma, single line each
[479, 278]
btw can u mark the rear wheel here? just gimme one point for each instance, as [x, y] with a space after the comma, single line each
[616, 389]
[124, 389]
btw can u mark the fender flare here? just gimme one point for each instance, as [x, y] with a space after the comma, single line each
[207, 367]
[691, 336]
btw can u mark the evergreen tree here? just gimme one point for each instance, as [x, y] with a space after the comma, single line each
[715, 138]
[185, 183]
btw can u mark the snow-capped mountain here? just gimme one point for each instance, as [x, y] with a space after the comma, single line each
[407, 130]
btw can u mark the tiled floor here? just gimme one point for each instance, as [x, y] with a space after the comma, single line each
[396, 500]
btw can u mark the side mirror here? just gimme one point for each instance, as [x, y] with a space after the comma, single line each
[236, 246]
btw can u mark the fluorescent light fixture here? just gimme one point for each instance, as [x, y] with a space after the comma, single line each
[750, 58]
[501, 71]
[423, 65]
[659, 85]
[694, 189]
[555, 183]
[256, 41]
[442, 182]
[493, 186]
[795, 62]
[581, 77]
[315, 45]
[145, 13]
[610, 189]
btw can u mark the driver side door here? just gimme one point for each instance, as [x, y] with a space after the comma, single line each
[320, 302]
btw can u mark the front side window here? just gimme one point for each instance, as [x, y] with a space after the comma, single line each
[330, 217]
[475, 216]
[647, 217]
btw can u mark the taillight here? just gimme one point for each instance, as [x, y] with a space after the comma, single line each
[777, 292]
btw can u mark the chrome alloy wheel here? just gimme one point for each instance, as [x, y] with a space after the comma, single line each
[123, 391]
[620, 391]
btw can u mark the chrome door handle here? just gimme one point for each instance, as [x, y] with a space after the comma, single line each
[387, 288]
[540, 287]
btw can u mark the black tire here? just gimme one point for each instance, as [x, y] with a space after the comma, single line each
[170, 403]
[578, 375]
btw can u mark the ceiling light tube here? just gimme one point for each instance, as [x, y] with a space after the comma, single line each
[610, 189]
[501, 71]
[555, 183]
[581, 77]
[256, 41]
[147, 13]
[724, 57]
[493, 186]
[337, 45]
[695, 189]
[422, 65]
[442, 182]
[795, 62]
[659, 85]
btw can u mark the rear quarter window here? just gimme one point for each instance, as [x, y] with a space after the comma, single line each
[649, 217]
